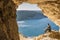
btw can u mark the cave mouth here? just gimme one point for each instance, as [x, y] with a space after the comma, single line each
[31, 21]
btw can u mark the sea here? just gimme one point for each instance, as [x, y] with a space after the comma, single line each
[35, 27]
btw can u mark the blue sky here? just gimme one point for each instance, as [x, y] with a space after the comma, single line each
[28, 6]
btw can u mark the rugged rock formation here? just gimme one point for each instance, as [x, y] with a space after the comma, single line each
[8, 25]
[51, 10]
[49, 36]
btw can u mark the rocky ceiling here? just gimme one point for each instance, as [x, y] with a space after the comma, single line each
[51, 8]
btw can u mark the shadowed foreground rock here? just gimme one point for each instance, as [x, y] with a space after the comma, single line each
[8, 25]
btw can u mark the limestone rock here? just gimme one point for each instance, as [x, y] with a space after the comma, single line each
[51, 10]
[8, 25]
[54, 35]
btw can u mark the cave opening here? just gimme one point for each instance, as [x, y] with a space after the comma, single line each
[31, 21]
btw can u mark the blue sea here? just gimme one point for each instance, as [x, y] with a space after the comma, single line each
[31, 28]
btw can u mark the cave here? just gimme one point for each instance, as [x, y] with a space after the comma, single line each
[8, 24]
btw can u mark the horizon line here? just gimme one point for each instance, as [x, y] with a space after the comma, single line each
[30, 10]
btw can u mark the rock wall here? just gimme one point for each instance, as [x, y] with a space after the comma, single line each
[8, 25]
[50, 8]
[53, 35]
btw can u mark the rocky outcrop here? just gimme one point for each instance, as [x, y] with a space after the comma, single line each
[49, 36]
[51, 9]
[8, 25]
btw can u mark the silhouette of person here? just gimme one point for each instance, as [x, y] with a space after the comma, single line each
[48, 29]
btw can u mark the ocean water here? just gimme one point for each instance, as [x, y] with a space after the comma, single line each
[31, 28]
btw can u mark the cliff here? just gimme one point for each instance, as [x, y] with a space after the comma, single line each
[49, 36]
[8, 25]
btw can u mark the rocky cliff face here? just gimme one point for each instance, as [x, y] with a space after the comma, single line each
[51, 10]
[8, 25]
[53, 35]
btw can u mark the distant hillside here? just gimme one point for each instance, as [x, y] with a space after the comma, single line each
[28, 15]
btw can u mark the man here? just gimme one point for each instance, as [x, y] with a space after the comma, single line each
[48, 29]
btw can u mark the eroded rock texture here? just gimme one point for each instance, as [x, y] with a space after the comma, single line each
[8, 25]
[50, 8]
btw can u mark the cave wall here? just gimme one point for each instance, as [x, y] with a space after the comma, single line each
[8, 25]
[50, 8]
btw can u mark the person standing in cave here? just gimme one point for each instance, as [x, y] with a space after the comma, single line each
[48, 29]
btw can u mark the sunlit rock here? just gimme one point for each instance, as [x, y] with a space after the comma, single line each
[8, 25]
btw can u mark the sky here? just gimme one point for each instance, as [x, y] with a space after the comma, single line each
[28, 6]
